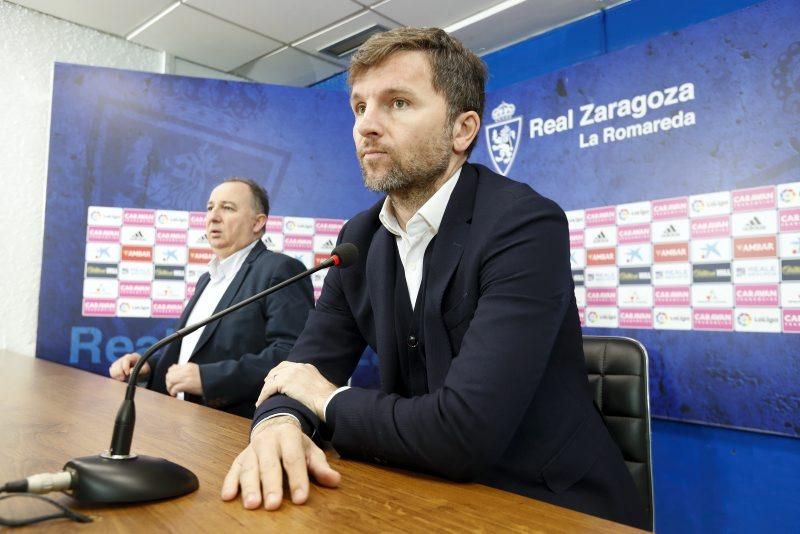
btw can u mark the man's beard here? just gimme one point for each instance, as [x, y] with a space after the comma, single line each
[413, 173]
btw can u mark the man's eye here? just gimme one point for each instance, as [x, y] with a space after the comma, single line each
[400, 104]
[359, 109]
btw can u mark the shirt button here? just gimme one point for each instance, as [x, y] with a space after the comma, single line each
[412, 342]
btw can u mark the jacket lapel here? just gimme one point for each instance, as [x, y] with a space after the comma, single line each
[445, 257]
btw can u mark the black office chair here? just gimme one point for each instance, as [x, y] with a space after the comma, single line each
[617, 369]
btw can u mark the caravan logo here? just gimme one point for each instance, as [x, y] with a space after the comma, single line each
[502, 137]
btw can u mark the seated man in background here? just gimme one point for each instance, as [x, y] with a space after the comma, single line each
[464, 290]
[223, 364]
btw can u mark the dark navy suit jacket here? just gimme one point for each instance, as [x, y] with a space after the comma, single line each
[508, 400]
[236, 352]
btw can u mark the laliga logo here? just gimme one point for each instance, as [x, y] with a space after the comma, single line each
[623, 214]
[290, 225]
[744, 319]
[163, 219]
[502, 137]
[662, 318]
[124, 307]
[95, 215]
[592, 317]
[788, 195]
[698, 206]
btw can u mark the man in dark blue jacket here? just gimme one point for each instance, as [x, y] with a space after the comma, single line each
[223, 364]
[465, 292]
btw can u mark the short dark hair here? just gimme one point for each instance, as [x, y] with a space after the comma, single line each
[457, 72]
[258, 193]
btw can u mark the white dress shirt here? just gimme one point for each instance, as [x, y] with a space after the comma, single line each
[222, 274]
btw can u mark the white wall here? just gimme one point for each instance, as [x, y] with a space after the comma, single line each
[30, 43]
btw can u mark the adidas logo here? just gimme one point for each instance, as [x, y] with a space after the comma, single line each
[670, 231]
[138, 236]
[754, 224]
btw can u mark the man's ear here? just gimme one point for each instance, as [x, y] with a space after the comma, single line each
[465, 129]
[261, 222]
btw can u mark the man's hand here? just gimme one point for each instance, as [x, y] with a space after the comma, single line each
[184, 378]
[122, 367]
[279, 441]
[300, 381]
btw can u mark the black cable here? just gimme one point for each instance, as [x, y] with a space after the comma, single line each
[65, 512]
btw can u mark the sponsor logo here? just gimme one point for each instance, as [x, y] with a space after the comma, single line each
[636, 318]
[601, 296]
[791, 321]
[197, 238]
[635, 296]
[671, 274]
[190, 289]
[134, 217]
[200, 255]
[133, 307]
[790, 295]
[100, 288]
[306, 258]
[135, 271]
[328, 226]
[712, 295]
[169, 290]
[298, 225]
[756, 271]
[790, 245]
[99, 307]
[634, 275]
[710, 204]
[756, 198]
[634, 213]
[194, 272]
[99, 270]
[134, 253]
[672, 231]
[291, 242]
[171, 237]
[790, 270]
[168, 255]
[601, 256]
[758, 320]
[100, 216]
[711, 273]
[761, 222]
[672, 318]
[273, 242]
[134, 289]
[671, 252]
[670, 208]
[706, 250]
[789, 195]
[102, 234]
[602, 317]
[178, 220]
[503, 136]
[754, 295]
[576, 238]
[168, 272]
[138, 235]
[601, 276]
[103, 252]
[167, 309]
[789, 220]
[577, 258]
[324, 243]
[634, 255]
[601, 216]
[601, 236]
[576, 219]
[320, 258]
[274, 224]
[637, 233]
[672, 296]
[719, 226]
[713, 319]
[580, 296]
[197, 219]
[755, 247]
[578, 277]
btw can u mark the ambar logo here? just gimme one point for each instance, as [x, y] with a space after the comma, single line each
[200, 255]
[133, 253]
[601, 256]
[671, 252]
[755, 247]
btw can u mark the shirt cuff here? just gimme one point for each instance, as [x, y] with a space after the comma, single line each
[330, 398]
[270, 417]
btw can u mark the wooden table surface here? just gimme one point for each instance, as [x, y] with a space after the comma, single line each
[51, 413]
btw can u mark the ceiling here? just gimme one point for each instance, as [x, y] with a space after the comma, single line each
[280, 41]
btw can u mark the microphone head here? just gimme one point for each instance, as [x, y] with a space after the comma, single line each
[344, 255]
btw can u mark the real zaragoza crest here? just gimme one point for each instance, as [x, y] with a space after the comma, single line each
[502, 137]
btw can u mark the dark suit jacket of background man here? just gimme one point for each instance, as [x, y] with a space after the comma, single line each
[236, 352]
[508, 400]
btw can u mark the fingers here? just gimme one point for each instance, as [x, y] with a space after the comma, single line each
[294, 461]
[230, 485]
[266, 392]
[269, 465]
[319, 467]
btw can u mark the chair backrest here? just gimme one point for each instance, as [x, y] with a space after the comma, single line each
[617, 369]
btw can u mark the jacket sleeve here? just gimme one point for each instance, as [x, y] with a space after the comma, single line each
[524, 290]
[235, 380]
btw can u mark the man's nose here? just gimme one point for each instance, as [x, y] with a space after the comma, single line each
[370, 123]
[213, 215]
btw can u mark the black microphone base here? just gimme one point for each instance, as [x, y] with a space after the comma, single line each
[135, 479]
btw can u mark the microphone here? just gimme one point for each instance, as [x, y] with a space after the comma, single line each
[117, 475]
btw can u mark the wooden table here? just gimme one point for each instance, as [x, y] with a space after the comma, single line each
[51, 413]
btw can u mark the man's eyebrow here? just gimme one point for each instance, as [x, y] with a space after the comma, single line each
[390, 91]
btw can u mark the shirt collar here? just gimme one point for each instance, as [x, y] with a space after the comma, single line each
[429, 216]
[220, 270]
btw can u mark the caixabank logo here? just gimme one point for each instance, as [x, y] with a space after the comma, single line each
[503, 136]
